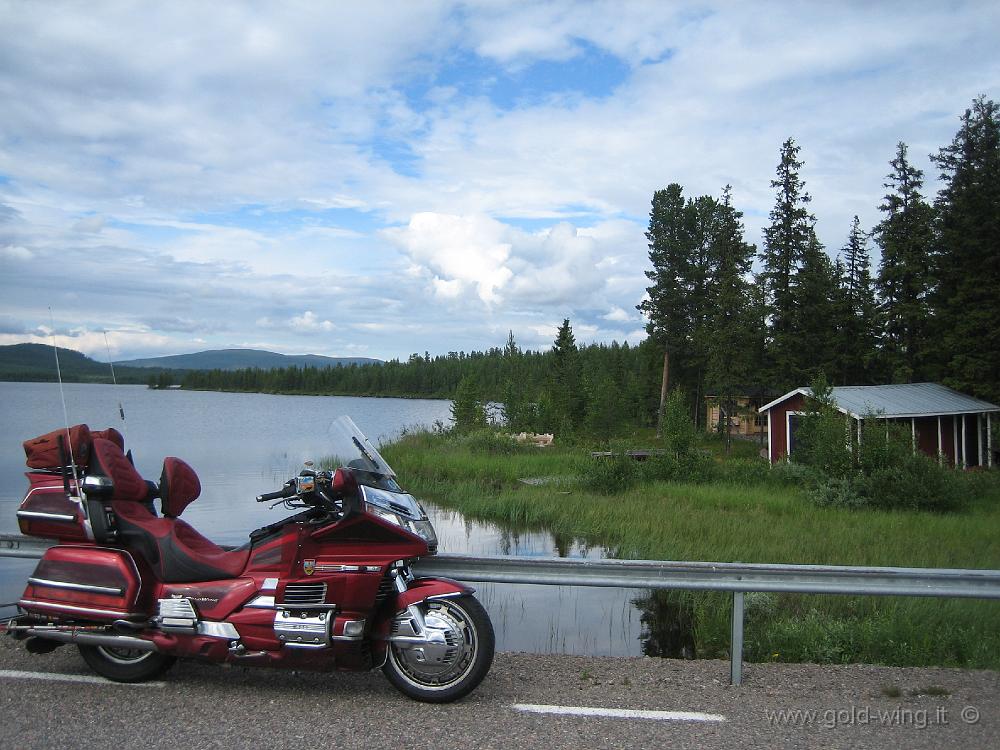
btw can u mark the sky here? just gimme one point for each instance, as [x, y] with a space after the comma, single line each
[388, 178]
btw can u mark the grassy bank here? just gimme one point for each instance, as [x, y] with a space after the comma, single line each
[749, 514]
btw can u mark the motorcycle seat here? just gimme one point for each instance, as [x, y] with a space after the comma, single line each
[173, 549]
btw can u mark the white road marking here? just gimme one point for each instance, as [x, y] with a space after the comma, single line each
[618, 713]
[16, 674]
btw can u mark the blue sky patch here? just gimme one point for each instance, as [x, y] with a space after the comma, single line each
[592, 73]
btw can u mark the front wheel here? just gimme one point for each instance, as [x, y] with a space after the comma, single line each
[125, 664]
[453, 657]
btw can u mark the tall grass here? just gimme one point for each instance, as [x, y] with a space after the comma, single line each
[746, 513]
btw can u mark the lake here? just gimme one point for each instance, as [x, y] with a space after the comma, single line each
[244, 444]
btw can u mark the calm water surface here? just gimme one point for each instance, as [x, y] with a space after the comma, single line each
[244, 444]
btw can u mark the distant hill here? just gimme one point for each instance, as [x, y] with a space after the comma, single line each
[241, 359]
[37, 362]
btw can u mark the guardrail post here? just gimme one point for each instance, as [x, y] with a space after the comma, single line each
[736, 642]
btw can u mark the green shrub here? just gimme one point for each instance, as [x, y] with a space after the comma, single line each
[486, 441]
[916, 482]
[692, 466]
[793, 474]
[679, 432]
[609, 474]
[838, 492]
[744, 471]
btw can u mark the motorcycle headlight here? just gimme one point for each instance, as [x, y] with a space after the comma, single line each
[425, 530]
[385, 515]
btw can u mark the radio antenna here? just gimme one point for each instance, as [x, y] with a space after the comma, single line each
[62, 395]
[114, 380]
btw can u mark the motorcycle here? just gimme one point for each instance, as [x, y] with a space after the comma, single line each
[328, 588]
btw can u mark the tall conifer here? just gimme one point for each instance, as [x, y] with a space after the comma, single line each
[905, 236]
[966, 303]
[787, 240]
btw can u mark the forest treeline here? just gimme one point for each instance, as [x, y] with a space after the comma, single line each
[725, 317]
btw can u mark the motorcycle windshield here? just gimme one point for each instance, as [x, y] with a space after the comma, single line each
[350, 448]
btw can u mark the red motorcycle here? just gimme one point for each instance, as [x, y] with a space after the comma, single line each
[327, 588]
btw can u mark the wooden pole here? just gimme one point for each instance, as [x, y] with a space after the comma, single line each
[979, 437]
[940, 453]
[965, 442]
[989, 441]
[663, 391]
[954, 434]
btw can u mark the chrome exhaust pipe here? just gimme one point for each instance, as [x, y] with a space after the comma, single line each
[93, 639]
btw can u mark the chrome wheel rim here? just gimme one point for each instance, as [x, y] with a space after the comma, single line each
[448, 658]
[124, 655]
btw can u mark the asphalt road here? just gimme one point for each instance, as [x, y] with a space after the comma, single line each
[199, 706]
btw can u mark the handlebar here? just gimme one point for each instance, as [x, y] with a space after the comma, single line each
[287, 491]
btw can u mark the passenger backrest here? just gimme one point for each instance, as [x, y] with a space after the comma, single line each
[179, 486]
[108, 460]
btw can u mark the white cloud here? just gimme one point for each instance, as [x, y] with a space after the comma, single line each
[15, 252]
[459, 252]
[309, 321]
[251, 158]
[617, 315]
[90, 224]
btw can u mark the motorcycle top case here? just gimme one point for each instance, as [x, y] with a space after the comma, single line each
[52, 450]
[83, 583]
[47, 511]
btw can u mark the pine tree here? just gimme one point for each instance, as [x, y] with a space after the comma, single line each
[519, 414]
[678, 305]
[467, 409]
[787, 240]
[565, 382]
[812, 329]
[965, 303]
[666, 306]
[905, 237]
[857, 320]
[730, 342]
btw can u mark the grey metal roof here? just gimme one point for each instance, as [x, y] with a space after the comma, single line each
[904, 400]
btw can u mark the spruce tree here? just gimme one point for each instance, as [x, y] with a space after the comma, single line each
[787, 240]
[965, 302]
[566, 396]
[667, 306]
[905, 237]
[730, 335]
[467, 409]
[519, 414]
[812, 348]
[857, 321]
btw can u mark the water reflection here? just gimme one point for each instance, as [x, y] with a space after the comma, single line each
[668, 625]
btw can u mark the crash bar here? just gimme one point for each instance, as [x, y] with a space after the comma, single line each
[734, 577]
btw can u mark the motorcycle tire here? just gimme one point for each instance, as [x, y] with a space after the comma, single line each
[458, 670]
[125, 664]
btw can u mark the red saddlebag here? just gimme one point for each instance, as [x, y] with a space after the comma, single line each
[47, 511]
[83, 583]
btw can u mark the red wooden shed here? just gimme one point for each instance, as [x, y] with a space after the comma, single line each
[955, 428]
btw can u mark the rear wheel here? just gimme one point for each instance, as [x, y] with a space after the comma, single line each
[453, 660]
[125, 664]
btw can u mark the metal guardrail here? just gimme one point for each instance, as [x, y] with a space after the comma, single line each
[737, 578]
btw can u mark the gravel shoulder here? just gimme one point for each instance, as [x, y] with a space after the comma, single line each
[208, 706]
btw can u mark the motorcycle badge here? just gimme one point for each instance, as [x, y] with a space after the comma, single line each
[308, 567]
